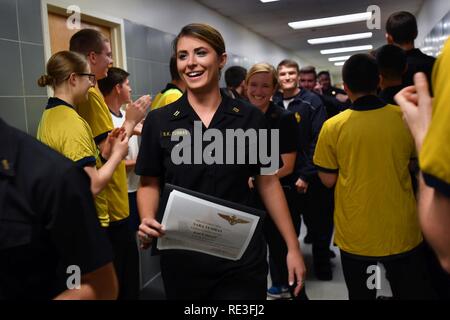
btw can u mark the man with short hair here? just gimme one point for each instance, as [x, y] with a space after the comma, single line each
[235, 81]
[391, 62]
[401, 30]
[324, 79]
[308, 81]
[117, 92]
[310, 114]
[365, 152]
[97, 49]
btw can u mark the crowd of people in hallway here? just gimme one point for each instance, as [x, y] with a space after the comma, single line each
[365, 167]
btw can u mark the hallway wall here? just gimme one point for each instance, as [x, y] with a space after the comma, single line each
[22, 58]
[21, 63]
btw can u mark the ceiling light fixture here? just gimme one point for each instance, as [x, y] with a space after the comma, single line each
[363, 16]
[347, 49]
[264, 1]
[338, 64]
[343, 58]
[347, 37]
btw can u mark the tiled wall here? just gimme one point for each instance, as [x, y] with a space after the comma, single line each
[148, 55]
[21, 64]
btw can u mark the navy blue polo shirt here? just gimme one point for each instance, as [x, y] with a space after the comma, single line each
[225, 181]
[47, 219]
[286, 123]
[311, 114]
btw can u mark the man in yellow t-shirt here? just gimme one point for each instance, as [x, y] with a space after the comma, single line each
[365, 151]
[96, 47]
[173, 91]
[429, 122]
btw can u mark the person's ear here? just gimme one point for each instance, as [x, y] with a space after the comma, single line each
[223, 60]
[380, 80]
[346, 89]
[92, 57]
[72, 79]
[117, 88]
[389, 38]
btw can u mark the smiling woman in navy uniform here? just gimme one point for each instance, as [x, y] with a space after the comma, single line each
[200, 52]
[261, 83]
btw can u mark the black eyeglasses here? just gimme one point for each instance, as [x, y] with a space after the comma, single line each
[90, 75]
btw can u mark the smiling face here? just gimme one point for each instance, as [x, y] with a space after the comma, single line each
[101, 61]
[124, 91]
[81, 84]
[288, 78]
[198, 64]
[325, 81]
[260, 88]
[307, 81]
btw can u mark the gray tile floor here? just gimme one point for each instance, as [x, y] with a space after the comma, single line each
[334, 289]
[315, 289]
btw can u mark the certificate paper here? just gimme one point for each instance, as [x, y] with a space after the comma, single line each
[199, 225]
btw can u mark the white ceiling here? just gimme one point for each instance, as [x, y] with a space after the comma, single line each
[270, 20]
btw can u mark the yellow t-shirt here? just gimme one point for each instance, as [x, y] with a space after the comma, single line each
[170, 94]
[62, 129]
[375, 210]
[97, 115]
[434, 158]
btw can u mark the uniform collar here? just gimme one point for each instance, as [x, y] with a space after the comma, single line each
[228, 107]
[170, 86]
[387, 94]
[366, 103]
[272, 110]
[8, 150]
[54, 102]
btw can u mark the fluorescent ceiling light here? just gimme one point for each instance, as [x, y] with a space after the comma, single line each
[363, 16]
[264, 1]
[347, 49]
[347, 37]
[343, 58]
[338, 64]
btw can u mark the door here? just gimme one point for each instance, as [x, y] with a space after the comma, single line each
[60, 35]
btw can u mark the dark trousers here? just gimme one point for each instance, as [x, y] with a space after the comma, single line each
[126, 260]
[317, 207]
[134, 220]
[277, 246]
[407, 275]
[190, 275]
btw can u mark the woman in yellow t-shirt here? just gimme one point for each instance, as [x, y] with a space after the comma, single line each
[61, 127]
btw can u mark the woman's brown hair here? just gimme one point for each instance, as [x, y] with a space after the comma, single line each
[203, 32]
[60, 66]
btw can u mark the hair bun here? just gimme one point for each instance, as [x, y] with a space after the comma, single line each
[45, 80]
